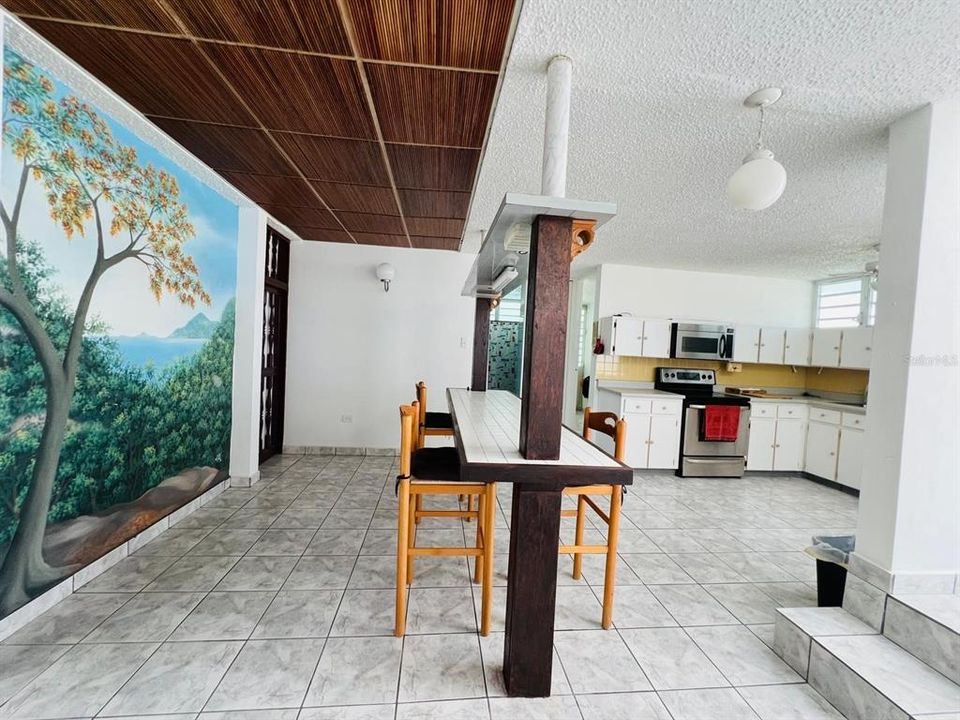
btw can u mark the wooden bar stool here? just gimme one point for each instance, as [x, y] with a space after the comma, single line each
[436, 471]
[437, 424]
[609, 424]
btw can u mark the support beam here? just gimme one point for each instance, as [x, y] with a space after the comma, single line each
[556, 130]
[531, 590]
[545, 331]
[481, 343]
[908, 534]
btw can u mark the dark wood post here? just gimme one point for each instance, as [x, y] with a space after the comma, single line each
[531, 590]
[481, 341]
[545, 331]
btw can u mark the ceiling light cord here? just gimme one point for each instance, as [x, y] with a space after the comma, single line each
[760, 131]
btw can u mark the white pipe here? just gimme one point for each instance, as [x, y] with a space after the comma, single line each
[556, 129]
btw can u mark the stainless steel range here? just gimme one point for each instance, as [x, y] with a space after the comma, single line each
[699, 456]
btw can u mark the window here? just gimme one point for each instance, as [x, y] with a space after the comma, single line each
[510, 308]
[846, 302]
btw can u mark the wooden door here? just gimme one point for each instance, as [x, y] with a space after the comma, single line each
[274, 353]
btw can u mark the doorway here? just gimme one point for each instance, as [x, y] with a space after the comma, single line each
[274, 353]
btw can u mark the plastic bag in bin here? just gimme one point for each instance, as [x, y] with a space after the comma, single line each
[833, 548]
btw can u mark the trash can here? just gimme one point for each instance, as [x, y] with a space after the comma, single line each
[832, 552]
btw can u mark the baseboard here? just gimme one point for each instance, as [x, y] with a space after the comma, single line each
[40, 604]
[331, 450]
[240, 481]
[830, 483]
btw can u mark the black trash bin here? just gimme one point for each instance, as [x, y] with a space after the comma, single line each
[832, 553]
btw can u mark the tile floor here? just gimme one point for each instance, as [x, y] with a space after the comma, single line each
[276, 602]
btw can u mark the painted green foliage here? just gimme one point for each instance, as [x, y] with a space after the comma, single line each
[82, 429]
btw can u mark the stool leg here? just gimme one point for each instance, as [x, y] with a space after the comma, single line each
[419, 507]
[412, 533]
[470, 504]
[610, 573]
[481, 538]
[581, 517]
[488, 520]
[403, 527]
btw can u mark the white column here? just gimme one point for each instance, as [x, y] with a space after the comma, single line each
[556, 129]
[247, 347]
[909, 521]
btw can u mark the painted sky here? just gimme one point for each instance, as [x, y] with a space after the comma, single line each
[122, 299]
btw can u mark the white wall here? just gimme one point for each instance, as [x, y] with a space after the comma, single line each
[354, 350]
[691, 295]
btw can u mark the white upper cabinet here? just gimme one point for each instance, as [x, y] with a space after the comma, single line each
[771, 345]
[746, 343]
[635, 337]
[656, 338]
[796, 346]
[825, 348]
[856, 347]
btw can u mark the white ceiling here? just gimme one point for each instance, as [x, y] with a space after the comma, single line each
[657, 122]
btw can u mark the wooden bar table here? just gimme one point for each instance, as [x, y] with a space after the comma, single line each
[487, 428]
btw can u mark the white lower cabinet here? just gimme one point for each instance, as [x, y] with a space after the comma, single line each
[664, 441]
[823, 440]
[775, 443]
[850, 457]
[653, 427]
[763, 434]
[788, 450]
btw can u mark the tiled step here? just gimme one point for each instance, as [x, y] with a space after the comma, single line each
[795, 629]
[928, 627]
[868, 677]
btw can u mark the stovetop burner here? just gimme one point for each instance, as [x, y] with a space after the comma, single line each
[697, 385]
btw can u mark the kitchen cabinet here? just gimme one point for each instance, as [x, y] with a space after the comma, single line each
[776, 437]
[850, 457]
[653, 426]
[746, 343]
[763, 437]
[788, 447]
[628, 336]
[825, 347]
[856, 347]
[771, 345]
[796, 346]
[820, 458]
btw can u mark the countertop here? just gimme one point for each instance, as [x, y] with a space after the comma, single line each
[811, 401]
[631, 391]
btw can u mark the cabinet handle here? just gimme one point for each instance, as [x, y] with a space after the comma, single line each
[836, 347]
[644, 337]
[868, 348]
[833, 453]
[777, 445]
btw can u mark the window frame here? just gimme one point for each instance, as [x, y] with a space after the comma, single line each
[866, 306]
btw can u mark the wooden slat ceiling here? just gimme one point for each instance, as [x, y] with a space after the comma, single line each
[351, 121]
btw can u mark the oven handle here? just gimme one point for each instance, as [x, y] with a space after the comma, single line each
[697, 407]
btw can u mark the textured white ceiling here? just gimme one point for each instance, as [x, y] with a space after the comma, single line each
[657, 122]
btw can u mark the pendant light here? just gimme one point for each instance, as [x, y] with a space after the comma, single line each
[759, 182]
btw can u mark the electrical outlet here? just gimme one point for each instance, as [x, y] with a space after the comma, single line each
[734, 367]
[346, 419]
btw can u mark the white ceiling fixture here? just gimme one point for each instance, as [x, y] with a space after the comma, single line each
[385, 274]
[760, 181]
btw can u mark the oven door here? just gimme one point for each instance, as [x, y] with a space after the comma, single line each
[694, 446]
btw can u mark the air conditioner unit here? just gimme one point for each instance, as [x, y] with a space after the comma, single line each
[506, 276]
[517, 238]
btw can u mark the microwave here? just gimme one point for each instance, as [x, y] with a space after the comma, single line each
[701, 342]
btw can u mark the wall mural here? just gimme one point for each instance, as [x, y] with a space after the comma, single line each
[117, 281]
[503, 357]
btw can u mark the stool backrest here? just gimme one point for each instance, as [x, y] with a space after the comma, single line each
[422, 399]
[408, 429]
[609, 424]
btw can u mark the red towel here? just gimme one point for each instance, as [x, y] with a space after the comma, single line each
[721, 423]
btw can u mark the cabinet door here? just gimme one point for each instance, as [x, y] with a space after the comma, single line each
[627, 337]
[856, 347]
[771, 345]
[638, 435]
[788, 453]
[825, 347]
[656, 338]
[760, 445]
[664, 441]
[746, 343]
[796, 346]
[850, 458]
[820, 458]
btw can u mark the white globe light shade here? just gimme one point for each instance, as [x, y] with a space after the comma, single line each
[758, 183]
[385, 271]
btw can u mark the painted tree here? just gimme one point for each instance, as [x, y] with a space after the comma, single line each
[94, 185]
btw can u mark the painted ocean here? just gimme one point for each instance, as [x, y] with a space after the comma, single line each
[142, 350]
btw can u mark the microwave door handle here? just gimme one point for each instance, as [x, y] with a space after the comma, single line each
[722, 346]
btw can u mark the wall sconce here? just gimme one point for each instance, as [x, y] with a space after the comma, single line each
[385, 273]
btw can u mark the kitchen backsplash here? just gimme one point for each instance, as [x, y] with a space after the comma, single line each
[754, 375]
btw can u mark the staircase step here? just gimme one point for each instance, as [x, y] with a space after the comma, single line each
[927, 626]
[868, 677]
[796, 627]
